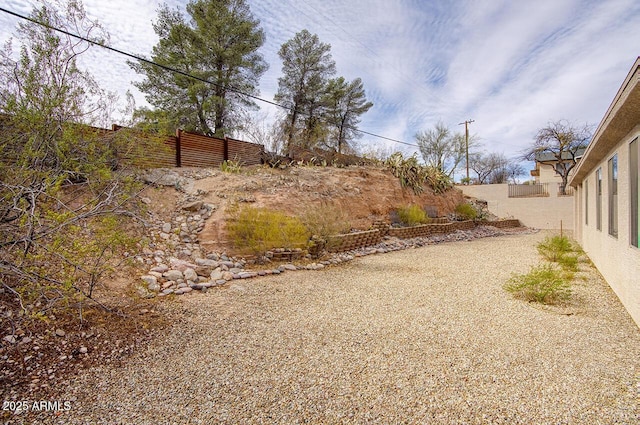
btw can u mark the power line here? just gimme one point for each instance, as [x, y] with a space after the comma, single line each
[177, 71]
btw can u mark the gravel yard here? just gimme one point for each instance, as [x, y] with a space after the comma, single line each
[423, 335]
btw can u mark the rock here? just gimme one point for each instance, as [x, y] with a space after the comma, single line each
[203, 271]
[181, 265]
[163, 178]
[26, 340]
[184, 290]
[190, 274]
[146, 200]
[247, 275]
[166, 227]
[227, 275]
[207, 262]
[144, 292]
[289, 267]
[167, 291]
[168, 284]
[173, 275]
[60, 332]
[193, 206]
[220, 282]
[83, 350]
[11, 339]
[149, 280]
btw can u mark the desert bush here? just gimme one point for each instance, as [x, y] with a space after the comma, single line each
[554, 247]
[326, 219]
[542, 284]
[65, 194]
[437, 180]
[408, 171]
[231, 166]
[258, 230]
[561, 250]
[412, 215]
[466, 211]
[414, 175]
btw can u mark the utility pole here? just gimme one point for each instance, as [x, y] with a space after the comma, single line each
[466, 139]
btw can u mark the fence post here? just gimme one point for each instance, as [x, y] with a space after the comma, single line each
[178, 148]
[226, 148]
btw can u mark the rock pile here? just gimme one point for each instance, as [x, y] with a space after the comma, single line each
[181, 276]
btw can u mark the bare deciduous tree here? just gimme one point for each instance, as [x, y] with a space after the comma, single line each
[560, 144]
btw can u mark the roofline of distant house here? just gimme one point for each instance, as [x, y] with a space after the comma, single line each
[551, 157]
[619, 120]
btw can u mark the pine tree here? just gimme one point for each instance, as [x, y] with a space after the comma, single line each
[345, 102]
[306, 67]
[219, 45]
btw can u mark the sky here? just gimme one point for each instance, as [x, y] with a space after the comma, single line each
[511, 66]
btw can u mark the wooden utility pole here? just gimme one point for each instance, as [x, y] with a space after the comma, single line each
[466, 139]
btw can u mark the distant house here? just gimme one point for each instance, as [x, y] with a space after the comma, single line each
[547, 163]
[606, 219]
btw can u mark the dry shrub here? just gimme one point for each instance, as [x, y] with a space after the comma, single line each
[258, 230]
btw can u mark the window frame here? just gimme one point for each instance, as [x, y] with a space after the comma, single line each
[612, 195]
[599, 198]
[586, 202]
[634, 192]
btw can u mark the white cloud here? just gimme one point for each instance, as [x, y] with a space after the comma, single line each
[511, 66]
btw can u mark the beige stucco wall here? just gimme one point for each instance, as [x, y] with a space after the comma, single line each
[548, 175]
[615, 258]
[538, 212]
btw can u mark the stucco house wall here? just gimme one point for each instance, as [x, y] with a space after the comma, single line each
[614, 255]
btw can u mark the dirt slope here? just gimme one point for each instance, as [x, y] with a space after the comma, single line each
[365, 194]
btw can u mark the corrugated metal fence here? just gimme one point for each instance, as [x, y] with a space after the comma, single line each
[187, 149]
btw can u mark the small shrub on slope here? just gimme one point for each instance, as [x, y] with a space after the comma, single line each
[412, 215]
[466, 211]
[259, 229]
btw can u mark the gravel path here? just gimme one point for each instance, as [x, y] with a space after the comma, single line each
[418, 336]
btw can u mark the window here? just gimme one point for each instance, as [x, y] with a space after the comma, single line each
[586, 202]
[613, 195]
[634, 195]
[599, 199]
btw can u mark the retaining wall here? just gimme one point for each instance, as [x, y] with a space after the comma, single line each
[351, 241]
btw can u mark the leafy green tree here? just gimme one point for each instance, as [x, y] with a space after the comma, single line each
[345, 103]
[306, 67]
[442, 149]
[559, 145]
[219, 45]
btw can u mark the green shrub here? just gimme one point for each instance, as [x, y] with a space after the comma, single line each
[466, 211]
[231, 166]
[412, 215]
[259, 230]
[561, 250]
[543, 284]
[554, 247]
[568, 262]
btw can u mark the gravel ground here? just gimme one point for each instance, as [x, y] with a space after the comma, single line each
[424, 335]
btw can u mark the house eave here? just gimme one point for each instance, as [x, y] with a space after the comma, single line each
[621, 117]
